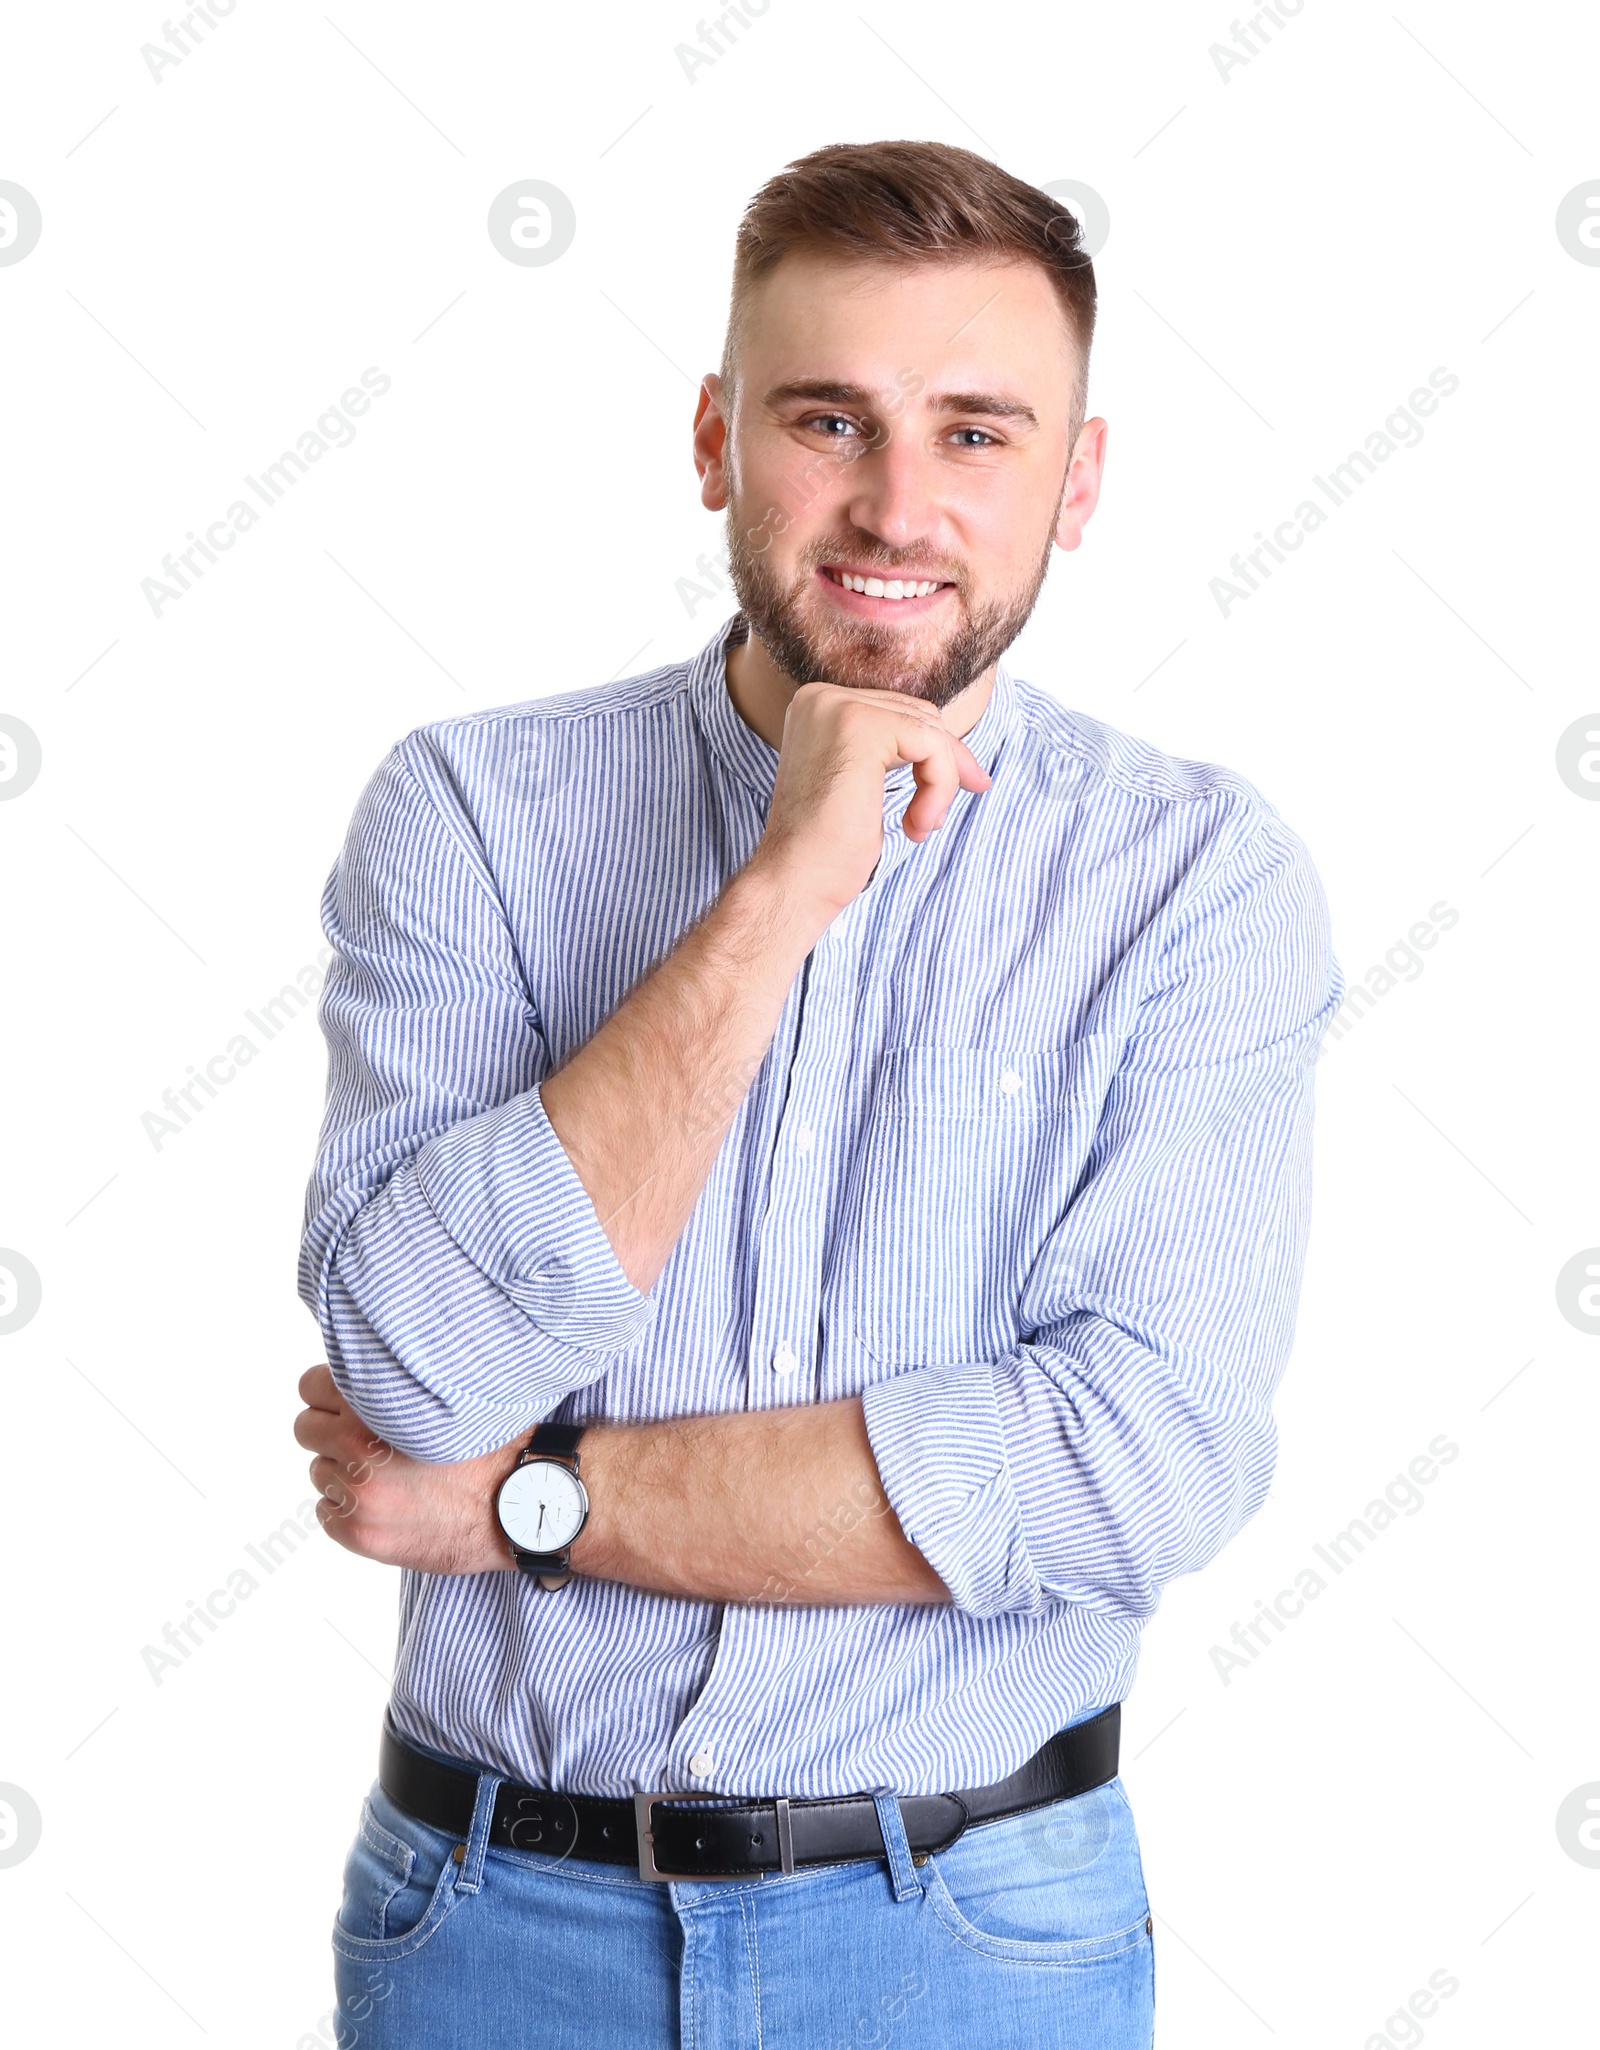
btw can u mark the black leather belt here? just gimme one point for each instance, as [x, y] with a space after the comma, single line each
[688, 1836]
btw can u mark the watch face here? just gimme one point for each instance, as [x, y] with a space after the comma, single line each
[542, 1506]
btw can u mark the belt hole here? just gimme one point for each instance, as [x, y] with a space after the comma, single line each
[459, 1854]
[757, 1839]
[699, 1843]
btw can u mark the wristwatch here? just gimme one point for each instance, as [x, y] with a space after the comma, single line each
[542, 1505]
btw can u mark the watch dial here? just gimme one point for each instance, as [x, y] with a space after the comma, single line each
[542, 1506]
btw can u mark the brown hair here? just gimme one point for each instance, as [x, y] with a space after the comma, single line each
[912, 202]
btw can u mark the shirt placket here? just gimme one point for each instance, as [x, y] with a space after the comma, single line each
[814, 1045]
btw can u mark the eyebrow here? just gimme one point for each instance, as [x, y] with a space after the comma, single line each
[991, 405]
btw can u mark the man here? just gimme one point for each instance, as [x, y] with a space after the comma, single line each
[855, 1115]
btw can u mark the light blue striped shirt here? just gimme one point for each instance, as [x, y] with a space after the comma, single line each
[1026, 1166]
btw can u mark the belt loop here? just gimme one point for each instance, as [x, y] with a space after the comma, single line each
[897, 1848]
[470, 1876]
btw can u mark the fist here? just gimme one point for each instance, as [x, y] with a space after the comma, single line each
[825, 827]
[378, 1503]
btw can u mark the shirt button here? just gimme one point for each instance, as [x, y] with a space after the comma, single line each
[804, 1138]
[1010, 1081]
[703, 1764]
[785, 1359]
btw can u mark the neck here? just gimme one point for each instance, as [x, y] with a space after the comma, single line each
[760, 692]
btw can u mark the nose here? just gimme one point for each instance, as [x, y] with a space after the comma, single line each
[892, 496]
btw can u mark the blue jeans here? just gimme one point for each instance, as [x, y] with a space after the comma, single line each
[1031, 1932]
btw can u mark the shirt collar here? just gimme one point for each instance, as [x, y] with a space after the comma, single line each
[755, 762]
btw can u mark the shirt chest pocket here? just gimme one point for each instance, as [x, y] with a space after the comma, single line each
[969, 1161]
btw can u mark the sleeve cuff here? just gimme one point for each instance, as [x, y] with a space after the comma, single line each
[503, 1187]
[937, 1436]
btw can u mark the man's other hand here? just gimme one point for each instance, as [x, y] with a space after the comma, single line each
[402, 1512]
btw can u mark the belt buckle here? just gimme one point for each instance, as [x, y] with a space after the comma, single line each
[644, 1804]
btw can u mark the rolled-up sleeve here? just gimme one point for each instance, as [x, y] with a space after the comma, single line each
[1129, 1433]
[451, 1255]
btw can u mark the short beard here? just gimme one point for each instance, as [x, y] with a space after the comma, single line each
[863, 657]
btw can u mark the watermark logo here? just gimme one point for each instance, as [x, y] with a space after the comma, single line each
[21, 1824]
[1063, 776]
[546, 1822]
[21, 1291]
[1070, 1834]
[20, 222]
[532, 222]
[538, 766]
[1089, 210]
[20, 757]
[1577, 1824]
[1577, 756]
[1578, 221]
[1578, 1291]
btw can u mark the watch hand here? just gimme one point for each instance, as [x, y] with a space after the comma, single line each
[541, 1520]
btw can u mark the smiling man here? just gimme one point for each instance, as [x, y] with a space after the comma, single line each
[808, 1221]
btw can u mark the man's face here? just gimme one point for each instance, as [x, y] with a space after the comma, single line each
[907, 425]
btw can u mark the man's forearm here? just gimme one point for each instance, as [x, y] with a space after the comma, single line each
[644, 1105]
[781, 1505]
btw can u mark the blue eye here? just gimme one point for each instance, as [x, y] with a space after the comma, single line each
[984, 440]
[824, 423]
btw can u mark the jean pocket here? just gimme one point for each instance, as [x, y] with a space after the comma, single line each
[398, 1888]
[1062, 1885]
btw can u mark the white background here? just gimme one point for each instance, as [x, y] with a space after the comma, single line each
[1291, 252]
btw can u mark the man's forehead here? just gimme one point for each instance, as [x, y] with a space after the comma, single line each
[958, 324]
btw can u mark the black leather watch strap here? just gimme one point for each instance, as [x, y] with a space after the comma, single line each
[555, 1441]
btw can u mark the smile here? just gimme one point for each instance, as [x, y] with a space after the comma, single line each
[896, 589]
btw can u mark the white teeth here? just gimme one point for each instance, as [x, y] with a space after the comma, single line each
[879, 587]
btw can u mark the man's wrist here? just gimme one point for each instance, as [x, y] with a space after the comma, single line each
[498, 1552]
[784, 920]
[592, 1553]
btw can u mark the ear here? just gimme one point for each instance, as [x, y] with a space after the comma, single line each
[1082, 493]
[710, 444]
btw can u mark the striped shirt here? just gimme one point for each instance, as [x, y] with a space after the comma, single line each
[1026, 1166]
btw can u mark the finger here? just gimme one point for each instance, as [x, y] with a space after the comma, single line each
[328, 1478]
[335, 1483]
[940, 765]
[344, 1530]
[318, 1389]
[343, 1436]
[318, 1430]
[971, 773]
